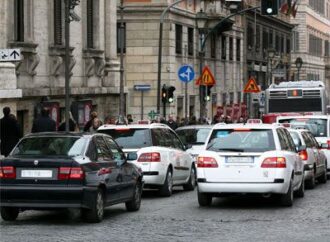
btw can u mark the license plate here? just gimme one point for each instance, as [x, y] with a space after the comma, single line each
[36, 173]
[239, 159]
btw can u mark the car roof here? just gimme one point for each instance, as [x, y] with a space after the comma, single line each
[304, 116]
[298, 130]
[133, 126]
[61, 134]
[197, 126]
[246, 125]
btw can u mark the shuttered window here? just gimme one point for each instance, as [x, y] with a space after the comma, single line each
[178, 39]
[19, 20]
[90, 30]
[213, 45]
[121, 40]
[238, 50]
[58, 29]
[190, 41]
[231, 49]
[223, 47]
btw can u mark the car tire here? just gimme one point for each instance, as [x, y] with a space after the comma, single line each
[96, 213]
[9, 213]
[310, 183]
[287, 198]
[323, 178]
[301, 191]
[191, 184]
[204, 199]
[135, 203]
[166, 189]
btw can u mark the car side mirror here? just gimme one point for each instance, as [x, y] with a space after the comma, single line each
[131, 156]
[301, 148]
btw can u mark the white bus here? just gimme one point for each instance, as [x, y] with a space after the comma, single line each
[297, 97]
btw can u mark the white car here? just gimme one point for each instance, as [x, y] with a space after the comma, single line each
[249, 158]
[314, 159]
[159, 152]
[319, 125]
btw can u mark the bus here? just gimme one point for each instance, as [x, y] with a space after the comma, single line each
[295, 98]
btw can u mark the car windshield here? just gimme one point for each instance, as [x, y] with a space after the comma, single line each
[241, 140]
[317, 126]
[50, 146]
[129, 138]
[193, 136]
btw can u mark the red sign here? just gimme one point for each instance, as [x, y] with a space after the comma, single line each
[207, 78]
[251, 86]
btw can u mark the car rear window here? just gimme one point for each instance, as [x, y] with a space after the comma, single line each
[129, 138]
[50, 146]
[193, 136]
[241, 140]
[317, 126]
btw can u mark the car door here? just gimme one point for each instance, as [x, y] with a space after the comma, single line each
[109, 173]
[320, 157]
[128, 180]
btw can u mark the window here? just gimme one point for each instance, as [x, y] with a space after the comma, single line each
[288, 46]
[176, 143]
[178, 39]
[295, 42]
[19, 20]
[258, 38]
[238, 50]
[317, 5]
[223, 48]
[250, 32]
[116, 153]
[271, 41]
[315, 45]
[102, 150]
[231, 49]
[283, 141]
[213, 44]
[58, 21]
[265, 42]
[121, 38]
[326, 48]
[90, 30]
[190, 41]
[282, 44]
[277, 43]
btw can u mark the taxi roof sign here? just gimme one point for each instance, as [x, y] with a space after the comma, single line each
[207, 78]
[251, 86]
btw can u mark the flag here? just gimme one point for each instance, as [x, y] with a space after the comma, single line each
[294, 9]
[290, 7]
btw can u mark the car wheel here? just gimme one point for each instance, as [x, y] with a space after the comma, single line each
[287, 199]
[9, 213]
[204, 199]
[310, 183]
[135, 203]
[301, 191]
[190, 186]
[166, 189]
[96, 213]
[323, 178]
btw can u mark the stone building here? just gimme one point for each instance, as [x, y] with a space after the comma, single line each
[37, 29]
[181, 45]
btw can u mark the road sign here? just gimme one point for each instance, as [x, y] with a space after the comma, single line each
[186, 73]
[142, 87]
[251, 86]
[10, 54]
[207, 78]
[152, 114]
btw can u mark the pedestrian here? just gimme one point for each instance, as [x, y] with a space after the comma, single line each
[110, 120]
[193, 120]
[228, 120]
[44, 123]
[241, 120]
[95, 125]
[129, 118]
[72, 124]
[10, 132]
[90, 122]
[171, 123]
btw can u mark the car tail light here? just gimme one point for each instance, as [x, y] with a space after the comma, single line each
[70, 173]
[7, 172]
[206, 162]
[149, 157]
[303, 155]
[274, 162]
[328, 142]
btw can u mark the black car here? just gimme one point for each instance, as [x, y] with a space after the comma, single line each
[68, 170]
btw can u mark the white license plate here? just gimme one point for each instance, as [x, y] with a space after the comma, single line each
[239, 160]
[36, 173]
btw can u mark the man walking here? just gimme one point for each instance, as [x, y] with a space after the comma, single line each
[44, 123]
[9, 132]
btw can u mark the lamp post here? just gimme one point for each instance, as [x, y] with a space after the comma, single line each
[299, 63]
[121, 43]
[271, 55]
[201, 20]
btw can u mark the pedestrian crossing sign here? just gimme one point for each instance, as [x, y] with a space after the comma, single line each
[251, 86]
[207, 78]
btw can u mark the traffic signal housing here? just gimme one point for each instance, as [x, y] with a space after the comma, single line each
[269, 7]
[208, 94]
[170, 93]
[164, 94]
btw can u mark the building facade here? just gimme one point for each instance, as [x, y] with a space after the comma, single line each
[37, 29]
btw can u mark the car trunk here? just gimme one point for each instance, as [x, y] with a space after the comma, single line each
[240, 168]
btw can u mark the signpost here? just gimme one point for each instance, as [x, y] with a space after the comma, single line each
[10, 54]
[142, 89]
[186, 74]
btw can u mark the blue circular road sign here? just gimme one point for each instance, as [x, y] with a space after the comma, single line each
[186, 73]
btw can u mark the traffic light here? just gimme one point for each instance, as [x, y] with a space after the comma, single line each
[164, 94]
[170, 94]
[269, 7]
[208, 93]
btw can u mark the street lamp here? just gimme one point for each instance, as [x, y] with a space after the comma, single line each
[298, 63]
[271, 55]
[201, 20]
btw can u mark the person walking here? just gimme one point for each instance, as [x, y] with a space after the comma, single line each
[171, 123]
[73, 127]
[10, 132]
[89, 123]
[44, 123]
